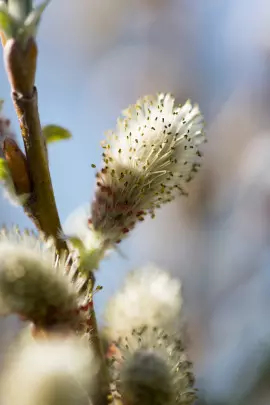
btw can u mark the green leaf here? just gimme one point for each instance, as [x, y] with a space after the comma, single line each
[19, 9]
[33, 19]
[54, 133]
[6, 21]
[3, 169]
[76, 242]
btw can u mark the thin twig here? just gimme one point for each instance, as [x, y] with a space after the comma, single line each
[41, 205]
[102, 390]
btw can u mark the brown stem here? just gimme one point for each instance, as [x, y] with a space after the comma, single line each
[102, 391]
[43, 211]
[102, 386]
[41, 205]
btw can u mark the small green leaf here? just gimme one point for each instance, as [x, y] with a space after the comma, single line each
[6, 21]
[3, 169]
[76, 242]
[90, 259]
[19, 9]
[54, 133]
[33, 19]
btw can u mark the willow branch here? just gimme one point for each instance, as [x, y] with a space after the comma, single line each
[102, 391]
[20, 62]
[41, 205]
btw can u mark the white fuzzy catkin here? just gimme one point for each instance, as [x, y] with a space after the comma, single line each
[49, 372]
[152, 368]
[148, 160]
[150, 297]
[145, 379]
[33, 282]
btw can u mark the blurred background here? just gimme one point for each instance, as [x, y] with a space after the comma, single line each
[95, 58]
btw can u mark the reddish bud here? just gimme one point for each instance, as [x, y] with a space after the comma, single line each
[17, 165]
